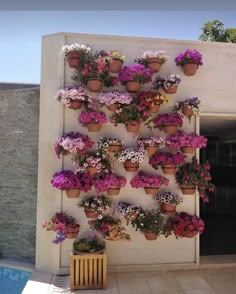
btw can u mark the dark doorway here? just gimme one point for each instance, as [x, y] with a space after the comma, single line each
[219, 214]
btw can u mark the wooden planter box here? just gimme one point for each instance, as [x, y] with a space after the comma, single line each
[88, 271]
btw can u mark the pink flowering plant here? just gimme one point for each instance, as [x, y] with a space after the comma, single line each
[189, 56]
[72, 143]
[183, 223]
[67, 179]
[172, 118]
[136, 72]
[99, 160]
[183, 139]
[73, 93]
[150, 98]
[150, 141]
[98, 203]
[104, 142]
[108, 181]
[61, 223]
[166, 81]
[196, 174]
[167, 197]
[142, 180]
[97, 117]
[130, 154]
[115, 97]
[192, 102]
[174, 159]
[110, 228]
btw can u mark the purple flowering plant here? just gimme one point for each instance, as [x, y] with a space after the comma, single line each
[71, 93]
[166, 81]
[192, 102]
[107, 181]
[91, 116]
[73, 143]
[136, 72]
[67, 179]
[115, 97]
[183, 139]
[142, 180]
[61, 223]
[189, 56]
[173, 159]
[172, 118]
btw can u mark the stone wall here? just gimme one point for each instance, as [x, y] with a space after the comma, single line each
[19, 121]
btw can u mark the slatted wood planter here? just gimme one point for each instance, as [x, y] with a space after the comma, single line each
[88, 271]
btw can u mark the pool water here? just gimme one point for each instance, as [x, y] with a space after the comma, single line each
[13, 281]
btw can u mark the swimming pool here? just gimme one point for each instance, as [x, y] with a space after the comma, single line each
[13, 281]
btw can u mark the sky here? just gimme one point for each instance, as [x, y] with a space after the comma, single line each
[21, 32]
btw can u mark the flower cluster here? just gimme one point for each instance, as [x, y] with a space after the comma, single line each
[91, 244]
[142, 180]
[136, 72]
[98, 160]
[150, 141]
[67, 179]
[162, 55]
[183, 223]
[75, 48]
[149, 221]
[166, 81]
[189, 56]
[168, 198]
[115, 54]
[192, 102]
[130, 155]
[127, 210]
[97, 117]
[110, 180]
[103, 143]
[151, 98]
[109, 98]
[72, 93]
[166, 158]
[172, 118]
[196, 174]
[110, 228]
[98, 204]
[61, 223]
[72, 142]
[183, 139]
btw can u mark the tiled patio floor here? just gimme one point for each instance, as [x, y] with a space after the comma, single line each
[202, 281]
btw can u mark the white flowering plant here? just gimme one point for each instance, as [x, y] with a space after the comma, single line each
[113, 97]
[104, 142]
[168, 198]
[99, 203]
[150, 141]
[130, 154]
[115, 54]
[75, 47]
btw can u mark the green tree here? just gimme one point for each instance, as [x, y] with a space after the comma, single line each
[230, 35]
[213, 31]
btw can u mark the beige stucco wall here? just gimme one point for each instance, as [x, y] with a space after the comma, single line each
[213, 84]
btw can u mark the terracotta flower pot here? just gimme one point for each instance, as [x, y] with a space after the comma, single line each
[73, 59]
[94, 85]
[131, 166]
[133, 86]
[190, 69]
[115, 148]
[169, 169]
[151, 150]
[90, 213]
[151, 190]
[187, 150]
[168, 209]
[113, 191]
[188, 189]
[92, 170]
[115, 65]
[170, 129]
[154, 64]
[132, 127]
[113, 107]
[72, 233]
[75, 104]
[93, 127]
[150, 236]
[154, 108]
[187, 234]
[131, 216]
[187, 111]
[72, 193]
[171, 90]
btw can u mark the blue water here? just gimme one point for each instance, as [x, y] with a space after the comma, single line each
[12, 281]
